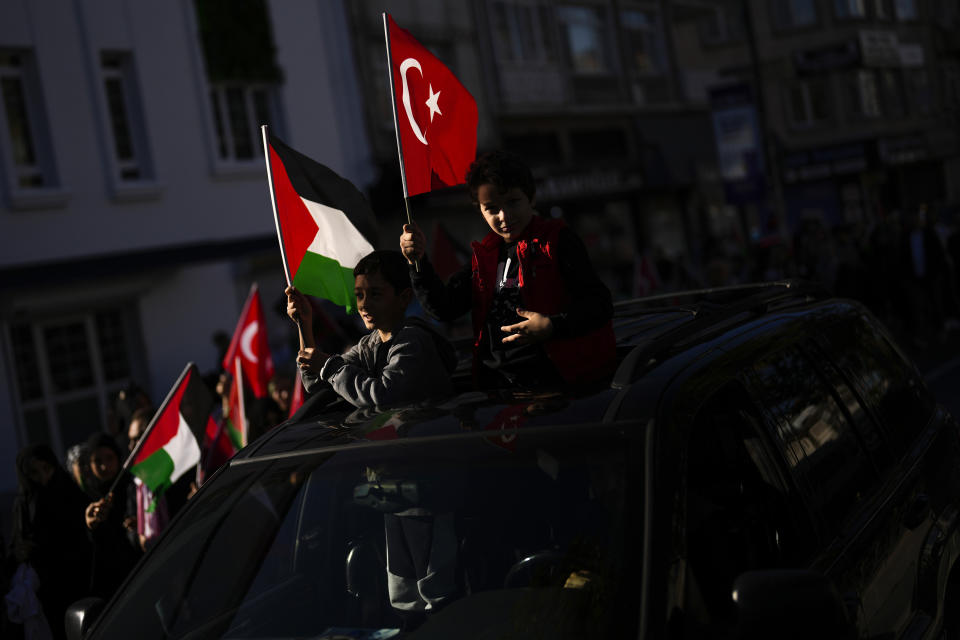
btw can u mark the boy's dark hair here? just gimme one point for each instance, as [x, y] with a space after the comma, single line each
[502, 169]
[388, 263]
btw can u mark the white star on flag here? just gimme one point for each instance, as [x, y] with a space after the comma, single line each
[432, 103]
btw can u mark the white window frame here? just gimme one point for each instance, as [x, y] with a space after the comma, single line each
[25, 196]
[605, 40]
[790, 16]
[124, 73]
[850, 9]
[225, 142]
[805, 87]
[542, 50]
[102, 389]
[653, 40]
[868, 106]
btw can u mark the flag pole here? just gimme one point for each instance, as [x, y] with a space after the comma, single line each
[396, 127]
[243, 411]
[146, 432]
[276, 217]
[273, 202]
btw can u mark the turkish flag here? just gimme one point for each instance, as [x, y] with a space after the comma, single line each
[250, 344]
[436, 116]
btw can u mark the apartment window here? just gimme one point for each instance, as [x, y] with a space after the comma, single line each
[240, 59]
[586, 36]
[793, 14]
[523, 32]
[850, 9]
[865, 94]
[808, 103]
[21, 111]
[920, 92]
[905, 9]
[643, 39]
[892, 95]
[883, 9]
[723, 23]
[238, 112]
[125, 116]
[67, 369]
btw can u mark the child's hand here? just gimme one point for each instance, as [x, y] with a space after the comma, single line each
[299, 307]
[536, 328]
[97, 512]
[311, 359]
[412, 242]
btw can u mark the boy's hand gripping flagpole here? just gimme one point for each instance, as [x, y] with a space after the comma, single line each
[276, 218]
[146, 432]
[396, 127]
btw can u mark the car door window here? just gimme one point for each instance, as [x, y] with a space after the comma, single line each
[824, 451]
[886, 382]
[743, 513]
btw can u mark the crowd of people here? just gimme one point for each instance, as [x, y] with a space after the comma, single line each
[541, 319]
[904, 266]
[79, 527]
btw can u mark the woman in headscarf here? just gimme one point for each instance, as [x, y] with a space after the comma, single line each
[49, 533]
[115, 548]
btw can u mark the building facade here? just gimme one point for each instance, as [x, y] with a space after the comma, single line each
[134, 208]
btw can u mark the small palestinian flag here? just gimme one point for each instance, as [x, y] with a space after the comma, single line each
[170, 446]
[319, 216]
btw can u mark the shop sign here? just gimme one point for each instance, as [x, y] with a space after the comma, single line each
[879, 48]
[842, 55]
[587, 184]
[825, 162]
[902, 150]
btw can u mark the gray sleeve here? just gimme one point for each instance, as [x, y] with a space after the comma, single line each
[412, 372]
[312, 381]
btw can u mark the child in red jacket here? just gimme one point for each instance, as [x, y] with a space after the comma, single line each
[541, 316]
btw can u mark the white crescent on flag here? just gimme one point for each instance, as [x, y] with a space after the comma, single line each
[249, 333]
[404, 67]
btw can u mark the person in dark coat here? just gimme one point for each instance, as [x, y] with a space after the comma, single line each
[112, 527]
[48, 532]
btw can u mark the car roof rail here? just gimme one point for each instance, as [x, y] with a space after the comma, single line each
[714, 310]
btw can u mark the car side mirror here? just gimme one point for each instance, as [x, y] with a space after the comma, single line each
[80, 616]
[789, 603]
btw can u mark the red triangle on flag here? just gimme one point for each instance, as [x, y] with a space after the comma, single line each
[298, 226]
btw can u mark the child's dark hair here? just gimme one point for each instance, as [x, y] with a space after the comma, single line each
[502, 169]
[388, 263]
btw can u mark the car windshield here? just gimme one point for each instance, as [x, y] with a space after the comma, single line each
[511, 535]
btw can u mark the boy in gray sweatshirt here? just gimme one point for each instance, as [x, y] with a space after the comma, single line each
[401, 360]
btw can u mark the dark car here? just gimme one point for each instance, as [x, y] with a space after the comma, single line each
[764, 464]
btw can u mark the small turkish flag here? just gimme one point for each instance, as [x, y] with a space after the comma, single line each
[436, 116]
[250, 344]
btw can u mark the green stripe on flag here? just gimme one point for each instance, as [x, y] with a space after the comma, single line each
[236, 438]
[325, 278]
[155, 471]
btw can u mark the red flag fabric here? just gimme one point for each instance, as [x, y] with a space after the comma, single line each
[296, 397]
[447, 257]
[250, 344]
[236, 417]
[436, 116]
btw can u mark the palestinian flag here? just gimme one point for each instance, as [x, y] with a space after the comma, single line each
[170, 446]
[319, 219]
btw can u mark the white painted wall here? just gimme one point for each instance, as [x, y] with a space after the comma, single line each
[192, 199]
[179, 314]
